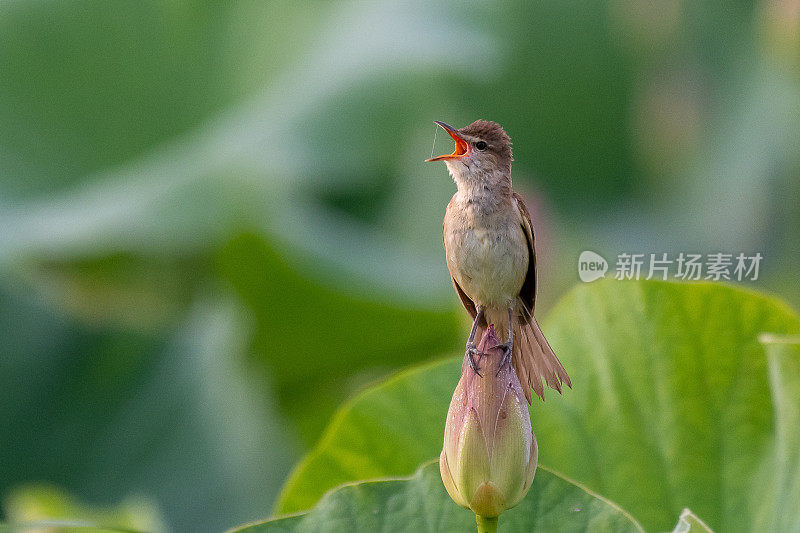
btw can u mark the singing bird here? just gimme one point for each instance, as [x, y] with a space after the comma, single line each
[489, 248]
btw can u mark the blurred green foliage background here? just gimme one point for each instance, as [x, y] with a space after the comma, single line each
[215, 222]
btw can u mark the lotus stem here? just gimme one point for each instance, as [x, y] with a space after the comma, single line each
[486, 524]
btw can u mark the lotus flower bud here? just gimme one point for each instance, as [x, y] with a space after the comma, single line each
[490, 454]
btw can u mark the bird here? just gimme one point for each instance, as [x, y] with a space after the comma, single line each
[489, 249]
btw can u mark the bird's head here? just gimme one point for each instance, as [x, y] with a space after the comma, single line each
[482, 148]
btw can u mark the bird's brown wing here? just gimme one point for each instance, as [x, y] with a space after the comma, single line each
[528, 291]
[468, 304]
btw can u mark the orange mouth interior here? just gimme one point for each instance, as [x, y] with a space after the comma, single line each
[462, 146]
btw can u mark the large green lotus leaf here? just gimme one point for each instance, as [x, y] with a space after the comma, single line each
[670, 405]
[420, 503]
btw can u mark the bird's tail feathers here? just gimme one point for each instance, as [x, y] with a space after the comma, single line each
[534, 359]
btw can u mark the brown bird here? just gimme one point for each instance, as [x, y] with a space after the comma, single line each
[489, 247]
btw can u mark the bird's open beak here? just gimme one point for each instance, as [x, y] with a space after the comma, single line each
[462, 146]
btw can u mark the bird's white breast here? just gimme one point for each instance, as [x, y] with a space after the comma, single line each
[487, 254]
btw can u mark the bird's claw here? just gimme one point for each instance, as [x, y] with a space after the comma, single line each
[507, 348]
[472, 351]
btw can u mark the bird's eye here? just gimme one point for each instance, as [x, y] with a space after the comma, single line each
[480, 145]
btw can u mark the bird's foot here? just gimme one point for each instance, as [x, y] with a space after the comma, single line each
[507, 349]
[473, 351]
